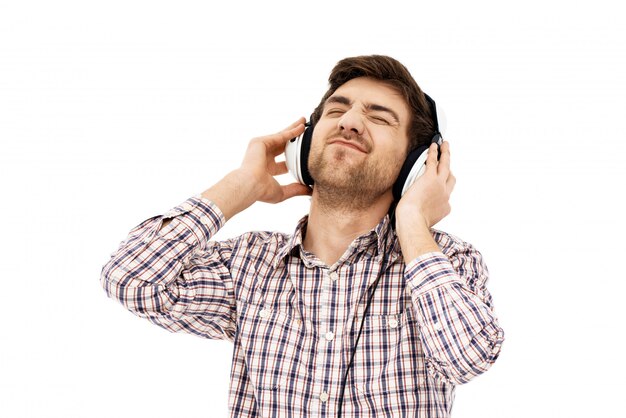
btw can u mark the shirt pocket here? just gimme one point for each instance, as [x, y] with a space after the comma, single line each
[388, 357]
[273, 345]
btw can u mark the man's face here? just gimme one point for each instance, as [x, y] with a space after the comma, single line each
[360, 141]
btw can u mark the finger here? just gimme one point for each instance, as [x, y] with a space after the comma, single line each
[278, 168]
[300, 120]
[295, 189]
[276, 143]
[431, 159]
[444, 161]
[450, 183]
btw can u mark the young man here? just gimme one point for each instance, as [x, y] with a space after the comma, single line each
[297, 307]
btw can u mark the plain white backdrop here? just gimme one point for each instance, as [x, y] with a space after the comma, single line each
[111, 112]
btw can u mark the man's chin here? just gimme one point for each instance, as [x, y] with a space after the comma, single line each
[343, 157]
[338, 178]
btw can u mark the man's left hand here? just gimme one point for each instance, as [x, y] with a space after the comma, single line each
[425, 203]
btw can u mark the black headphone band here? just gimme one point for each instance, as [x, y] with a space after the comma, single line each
[433, 111]
[305, 151]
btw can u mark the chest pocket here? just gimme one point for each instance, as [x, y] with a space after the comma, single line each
[273, 343]
[389, 355]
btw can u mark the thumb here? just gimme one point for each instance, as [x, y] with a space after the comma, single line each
[295, 189]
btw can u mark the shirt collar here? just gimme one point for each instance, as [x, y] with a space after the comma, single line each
[389, 245]
[294, 241]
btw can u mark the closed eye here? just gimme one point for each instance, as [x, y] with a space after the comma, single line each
[379, 119]
[335, 112]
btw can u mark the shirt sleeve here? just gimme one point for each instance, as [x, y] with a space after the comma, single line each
[174, 276]
[458, 327]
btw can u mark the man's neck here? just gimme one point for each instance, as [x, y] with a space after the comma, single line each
[331, 230]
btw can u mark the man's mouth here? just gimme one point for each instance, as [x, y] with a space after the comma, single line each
[349, 144]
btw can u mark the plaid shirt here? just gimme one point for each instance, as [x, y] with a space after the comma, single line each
[294, 320]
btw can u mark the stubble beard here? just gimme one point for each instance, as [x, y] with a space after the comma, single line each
[347, 185]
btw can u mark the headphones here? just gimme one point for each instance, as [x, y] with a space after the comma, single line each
[297, 154]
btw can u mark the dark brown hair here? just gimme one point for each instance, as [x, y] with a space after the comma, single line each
[392, 72]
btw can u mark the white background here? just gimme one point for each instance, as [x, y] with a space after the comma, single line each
[111, 112]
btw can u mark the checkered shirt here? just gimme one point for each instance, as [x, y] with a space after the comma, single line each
[294, 320]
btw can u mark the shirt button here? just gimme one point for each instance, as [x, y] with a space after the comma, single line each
[334, 276]
[393, 323]
[323, 396]
[264, 313]
[205, 220]
[186, 206]
[329, 335]
[437, 326]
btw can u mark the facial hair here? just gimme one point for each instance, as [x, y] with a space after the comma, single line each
[348, 185]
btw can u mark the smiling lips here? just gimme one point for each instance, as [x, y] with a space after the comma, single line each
[349, 144]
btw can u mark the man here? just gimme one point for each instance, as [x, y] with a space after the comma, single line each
[295, 305]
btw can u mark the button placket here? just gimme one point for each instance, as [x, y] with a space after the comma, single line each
[327, 334]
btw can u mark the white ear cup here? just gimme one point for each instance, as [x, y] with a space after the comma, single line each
[416, 171]
[292, 158]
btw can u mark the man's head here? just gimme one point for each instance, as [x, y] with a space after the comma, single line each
[371, 116]
[396, 75]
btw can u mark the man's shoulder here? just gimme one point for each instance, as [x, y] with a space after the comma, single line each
[272, 239]
[449, 243]
[256, 239]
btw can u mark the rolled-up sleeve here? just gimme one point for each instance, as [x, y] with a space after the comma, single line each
[173, 275]
[458, 326]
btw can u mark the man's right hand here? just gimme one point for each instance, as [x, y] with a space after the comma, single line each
[254, 180]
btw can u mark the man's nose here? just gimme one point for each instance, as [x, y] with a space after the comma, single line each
[351, 121]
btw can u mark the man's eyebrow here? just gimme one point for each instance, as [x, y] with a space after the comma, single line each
[338, 99]
[370, 106]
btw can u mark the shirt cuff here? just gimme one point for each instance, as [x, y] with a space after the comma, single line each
[194, 222]
[429, 271]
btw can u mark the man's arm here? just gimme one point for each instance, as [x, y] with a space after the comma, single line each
[458, 327]
[254, 181]
[159, 273]
[170, 272]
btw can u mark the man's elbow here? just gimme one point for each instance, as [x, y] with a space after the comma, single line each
[119, 284]
[475, 360]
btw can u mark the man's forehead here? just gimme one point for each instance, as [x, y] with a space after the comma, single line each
[369, 87]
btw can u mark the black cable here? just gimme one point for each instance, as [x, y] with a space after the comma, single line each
[392, 217]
